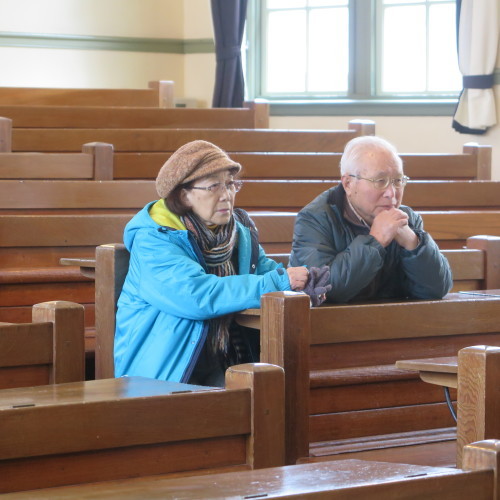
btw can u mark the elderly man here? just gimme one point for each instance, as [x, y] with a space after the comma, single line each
[375, 247]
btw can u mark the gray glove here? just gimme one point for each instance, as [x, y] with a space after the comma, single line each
[318, 284]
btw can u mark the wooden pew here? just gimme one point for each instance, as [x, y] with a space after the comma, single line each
[31, 247]
[135, 140]
[95, 162]
[254, 114]
[287, 316]
[346, 480]
[48, 350]
[87, 196]
[474, 163]
[279, 195]
[158, 94]
[354, 399]
[132, 426]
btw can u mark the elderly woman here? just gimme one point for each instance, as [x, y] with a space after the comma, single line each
[194, 260]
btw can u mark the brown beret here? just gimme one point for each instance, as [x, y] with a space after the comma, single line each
[193, 160]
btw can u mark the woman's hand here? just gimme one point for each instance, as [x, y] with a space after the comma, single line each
[298, 277]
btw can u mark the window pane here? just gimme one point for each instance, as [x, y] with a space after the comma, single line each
[444, 74]
[328, 50]
[285, 4]
[404, 49]
[286, 51]
[401, 2]
[327, 3]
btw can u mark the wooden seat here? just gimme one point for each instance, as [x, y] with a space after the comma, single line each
[133, 426]
[346, 479]
[48, 350]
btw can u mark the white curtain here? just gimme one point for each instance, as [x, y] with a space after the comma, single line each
[478, 38]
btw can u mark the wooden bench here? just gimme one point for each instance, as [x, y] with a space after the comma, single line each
[31, 247]
[346, 480]
[95, 162]
[23, 196]
[135, 140]
[254, 114]
[133, 426]
[354, 398]
[159, 94]
[48, 350]
[337, 375]
[474, 163]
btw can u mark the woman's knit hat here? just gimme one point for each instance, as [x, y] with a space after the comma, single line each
[193, 160]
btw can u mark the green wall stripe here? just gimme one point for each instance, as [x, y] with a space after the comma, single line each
[127, 44]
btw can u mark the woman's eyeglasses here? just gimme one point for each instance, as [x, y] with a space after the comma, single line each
[218, 187]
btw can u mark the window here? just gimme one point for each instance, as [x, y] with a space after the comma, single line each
[353, 52]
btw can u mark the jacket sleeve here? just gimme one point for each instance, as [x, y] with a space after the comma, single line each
[426, 269]
[170, 278]
[352, 268]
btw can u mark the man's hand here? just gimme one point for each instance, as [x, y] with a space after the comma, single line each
[387, 224]
[406, 238]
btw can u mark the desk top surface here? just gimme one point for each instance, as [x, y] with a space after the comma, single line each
[277, 482]
[92, 391]
[437, 365]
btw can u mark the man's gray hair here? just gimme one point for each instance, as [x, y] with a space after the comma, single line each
[356, 148]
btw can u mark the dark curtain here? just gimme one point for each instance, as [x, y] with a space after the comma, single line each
[229, 22]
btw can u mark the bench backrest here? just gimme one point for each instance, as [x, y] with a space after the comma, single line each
[278, 195]
[95, 162]
[159, 94]
[474, 163]
[343, 479]
[47, 350]
[168, 140]
[254, 114]
[89, 434]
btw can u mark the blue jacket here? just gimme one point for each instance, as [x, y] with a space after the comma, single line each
[168, 296]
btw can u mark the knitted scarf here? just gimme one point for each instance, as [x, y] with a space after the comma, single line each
[217, 247]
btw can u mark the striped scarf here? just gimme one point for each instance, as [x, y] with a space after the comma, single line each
[217, 247]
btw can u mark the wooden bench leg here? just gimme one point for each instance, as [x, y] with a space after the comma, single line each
[491, 247]
[478, 396]
[267, 383]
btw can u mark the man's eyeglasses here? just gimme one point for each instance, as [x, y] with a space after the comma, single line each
[383, 182]
[218, 187]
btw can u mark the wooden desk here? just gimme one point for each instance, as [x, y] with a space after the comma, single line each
[440, 371]
[112, 429]
[87, 266]
[475, 373]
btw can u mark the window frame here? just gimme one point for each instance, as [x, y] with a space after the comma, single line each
[360, 100]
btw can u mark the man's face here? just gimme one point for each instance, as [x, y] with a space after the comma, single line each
[365, 197]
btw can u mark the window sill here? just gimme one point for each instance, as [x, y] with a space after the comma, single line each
[379, 107]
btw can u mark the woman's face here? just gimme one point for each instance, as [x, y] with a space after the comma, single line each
[215, 205]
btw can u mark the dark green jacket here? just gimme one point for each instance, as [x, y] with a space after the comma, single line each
[361, 268]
